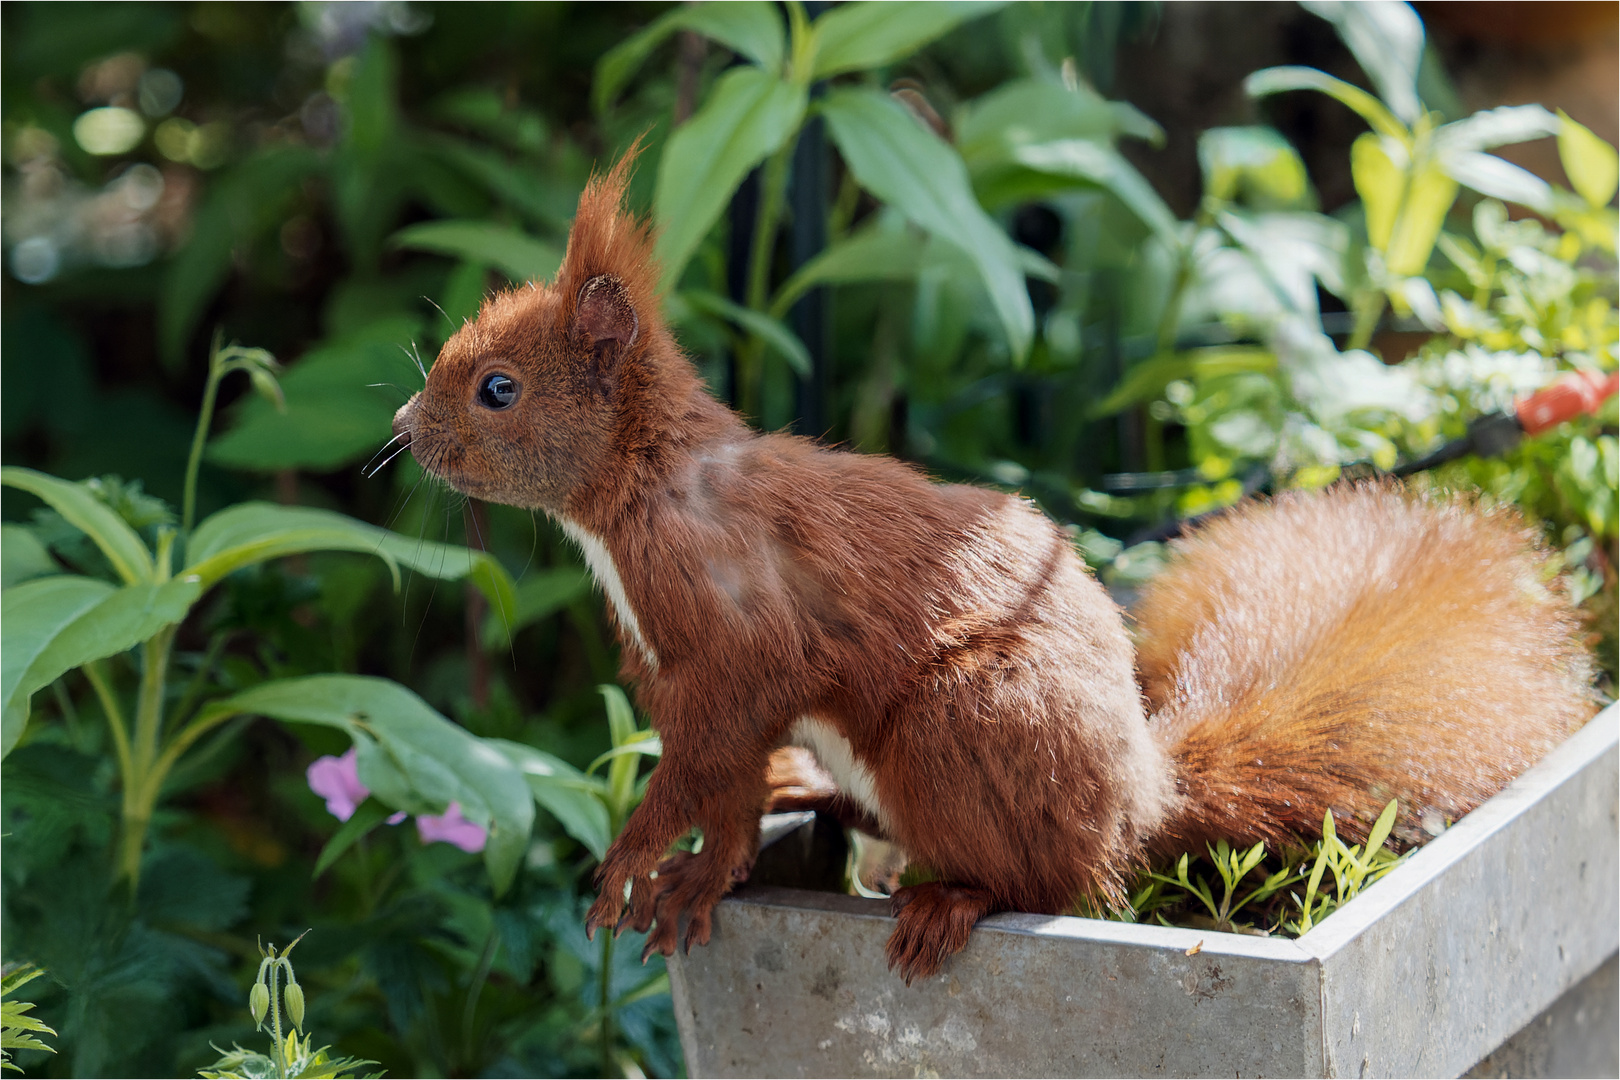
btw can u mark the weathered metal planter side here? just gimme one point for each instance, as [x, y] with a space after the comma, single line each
[1425, 974]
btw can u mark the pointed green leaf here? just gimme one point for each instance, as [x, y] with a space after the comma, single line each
[854, 37]
[1381, 184]
[871, 253]
[750, 28]
[516, 254]
[574, 799]
[252, 532]
[1496, 127]
[410, 757]
[120, 543]
[23, 557]
[1590, 163]
[912, 170]
[749, 115]
[1387, 40]
[1429, 197]
[56, 624]
[32, 615]
[1102, 165]
[782, 341]
[1279, 79]
[1253, 163]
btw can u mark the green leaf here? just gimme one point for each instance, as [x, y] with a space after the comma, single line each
[574, 799]
[31, 617]
[536, 596]
[366, 817]
[1102, 165]
[1496, 127]
[339, 399]
[410, 757]
[751, 28]
[1590, 163]
[750, 114]
[253, 532]
[1381, 184]
[1255, 164]
[19, 977]
[23, 557]
[1147, 380]
[854, 37]
[912, 170]
[1428, 199]
[56, 624]
[1279, 79]
[872, 253]
[1500, 179]
[782, 341]
[645, 743]
[1387, 40]
[1031, 111]
[120, 543]
[514, 253]
[1380, 829]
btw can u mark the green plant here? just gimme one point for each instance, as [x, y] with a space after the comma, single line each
[290, 1056]
[1176, 894]
[58, 621]
[15, 1023]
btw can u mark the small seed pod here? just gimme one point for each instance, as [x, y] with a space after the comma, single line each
[259, 1001]
[295, 1003]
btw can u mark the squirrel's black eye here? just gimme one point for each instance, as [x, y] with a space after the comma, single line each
[497, 391]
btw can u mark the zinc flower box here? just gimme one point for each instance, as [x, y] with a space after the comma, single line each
[1498, 935]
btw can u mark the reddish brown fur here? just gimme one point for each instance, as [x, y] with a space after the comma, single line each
[945, 638]
[1344, 649]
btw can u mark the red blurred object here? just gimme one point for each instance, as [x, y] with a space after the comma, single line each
[1576, 393]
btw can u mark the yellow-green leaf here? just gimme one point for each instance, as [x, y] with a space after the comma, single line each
[1427, 200]
[1591, 164]
[1380, 183]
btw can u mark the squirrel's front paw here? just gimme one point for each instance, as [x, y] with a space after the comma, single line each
[687, 885]
[612, 880]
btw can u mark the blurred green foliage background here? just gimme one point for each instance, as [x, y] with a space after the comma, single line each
[1013, 243]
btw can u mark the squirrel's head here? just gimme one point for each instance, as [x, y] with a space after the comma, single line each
[523, 404]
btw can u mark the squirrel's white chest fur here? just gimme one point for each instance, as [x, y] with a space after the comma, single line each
[600, 560]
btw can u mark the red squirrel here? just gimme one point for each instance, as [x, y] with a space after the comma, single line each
[947, 655]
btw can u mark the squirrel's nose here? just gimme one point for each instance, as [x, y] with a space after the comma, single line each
[405, 420]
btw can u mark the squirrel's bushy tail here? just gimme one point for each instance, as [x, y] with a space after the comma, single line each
[1341, 649]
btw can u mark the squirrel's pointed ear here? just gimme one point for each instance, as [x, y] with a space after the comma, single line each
[605, 316]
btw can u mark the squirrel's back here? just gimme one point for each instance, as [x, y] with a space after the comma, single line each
[1341, 649]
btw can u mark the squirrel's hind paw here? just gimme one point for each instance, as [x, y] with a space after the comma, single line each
[934, 921]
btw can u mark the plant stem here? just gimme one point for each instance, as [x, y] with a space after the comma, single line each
[1367, 316]
[140, 792]
[772, 196]
[475, 990]
[205, 418]
[605, 987]
[275, 1019]
[115, 720]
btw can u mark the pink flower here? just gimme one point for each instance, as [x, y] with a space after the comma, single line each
[337, 780]
[452, 828]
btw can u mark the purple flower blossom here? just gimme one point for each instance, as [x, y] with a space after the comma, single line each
[337, 780]
[452, 828]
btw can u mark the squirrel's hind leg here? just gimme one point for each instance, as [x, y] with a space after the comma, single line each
[934, 921]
